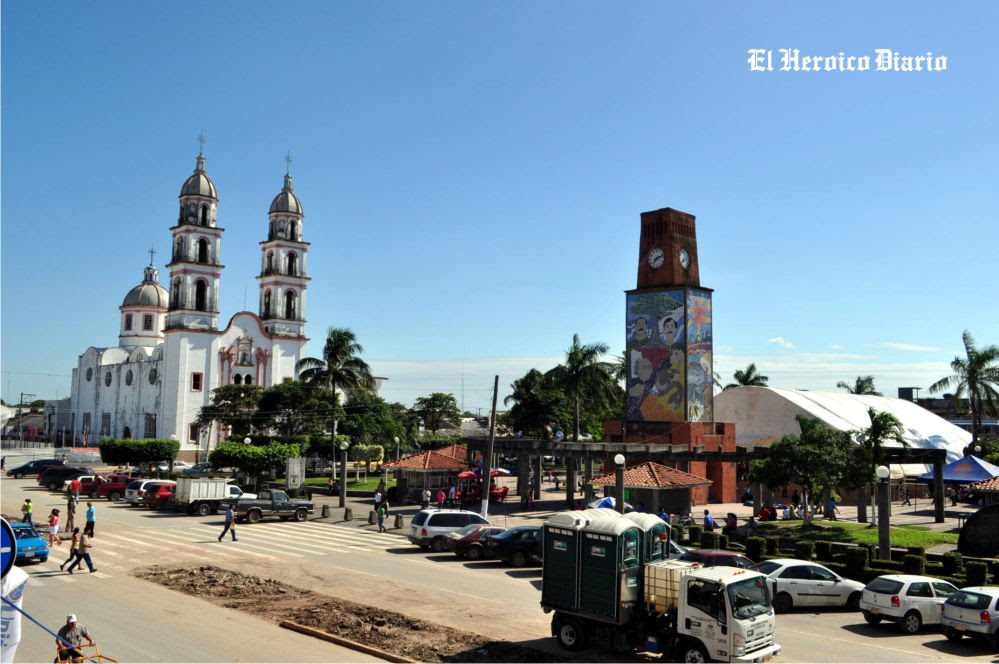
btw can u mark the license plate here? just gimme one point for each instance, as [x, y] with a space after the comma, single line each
[28, 554]
[875, 610]
[959, 627]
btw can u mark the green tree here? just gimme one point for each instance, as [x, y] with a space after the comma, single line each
[437, 410]
[253, 459]
[370, 420]
[232, 406]
[750, 377]
[293, 409]
[862, 385]
[585, 378]
[340, 368]
[536, 402]
[977, 375]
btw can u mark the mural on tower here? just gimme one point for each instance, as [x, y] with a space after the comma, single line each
[700, 389]
[655, 356]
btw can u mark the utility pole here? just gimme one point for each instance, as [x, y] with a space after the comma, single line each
[20, 425]
[487, 460]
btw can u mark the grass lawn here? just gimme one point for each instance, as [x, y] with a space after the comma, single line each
[840, 531]
[352, 485]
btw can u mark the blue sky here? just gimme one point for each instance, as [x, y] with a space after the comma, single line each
[472, 175]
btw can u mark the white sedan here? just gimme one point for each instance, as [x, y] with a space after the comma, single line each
[804, 583]
[907, 599]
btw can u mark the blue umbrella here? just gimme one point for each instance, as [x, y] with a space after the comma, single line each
[607, 501]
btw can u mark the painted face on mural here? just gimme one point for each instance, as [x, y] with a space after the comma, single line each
[641, 329]
[643, 369]
[669, 331]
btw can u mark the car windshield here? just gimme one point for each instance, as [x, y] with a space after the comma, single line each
[749, 598]
[513, 532]
[767, 568]
[883, 585]
[22, 530]
[969, 600]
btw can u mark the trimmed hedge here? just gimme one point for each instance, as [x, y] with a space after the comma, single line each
[755, 548]
[694, 534]
[773, 546]
[676, 532]
[858, 561]
[710, 540]
[823, 550]
[914, 564]
[953, 562]
[722, 541]
[804, 550]
[977, 573]
[917, 551]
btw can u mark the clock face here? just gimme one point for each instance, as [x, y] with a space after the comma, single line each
[684, 259]
[656, 258]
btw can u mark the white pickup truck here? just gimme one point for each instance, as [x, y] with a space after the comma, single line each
[206, 495]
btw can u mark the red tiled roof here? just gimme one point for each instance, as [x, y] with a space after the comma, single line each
[989, 486]
[456, 451]
[432, 460]
[654, 476]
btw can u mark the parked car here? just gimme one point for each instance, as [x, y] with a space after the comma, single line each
[973, 611]
[804, 583]
[32, 467]
[717, 558]
[429, 528]
[158, 493]
[135, 490]
[908, 600]
[675, 550]
[518, 546]
[203, 467]
[468, 542]
[178, 466]
[86, 484]
[112, 486]
[53, 476]
[30, 545]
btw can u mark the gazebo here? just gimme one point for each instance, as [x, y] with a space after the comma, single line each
[657, 487]
[434, 469]
[964, 471]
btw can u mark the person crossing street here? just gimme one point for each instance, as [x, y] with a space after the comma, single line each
[230, 524]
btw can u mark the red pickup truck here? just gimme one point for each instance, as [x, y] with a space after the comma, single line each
[114, 488]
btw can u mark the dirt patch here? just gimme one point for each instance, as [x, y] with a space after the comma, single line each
[386, 630]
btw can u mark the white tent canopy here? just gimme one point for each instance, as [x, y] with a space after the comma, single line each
[770, 412]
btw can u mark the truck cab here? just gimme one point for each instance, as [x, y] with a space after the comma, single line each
[272, 502]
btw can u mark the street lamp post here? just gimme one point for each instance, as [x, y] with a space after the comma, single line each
[884, 537]
[343, 472]
[619, 478]
[396, 441]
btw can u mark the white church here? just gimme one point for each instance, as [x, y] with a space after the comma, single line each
[171, 352]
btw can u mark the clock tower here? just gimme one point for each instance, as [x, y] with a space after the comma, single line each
[667, 253]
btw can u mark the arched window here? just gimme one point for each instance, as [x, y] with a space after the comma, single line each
[267, 304]
[293, 231]
[290, 300]
[201, 295]
[204, 214]
[202, 250]
[270, 262]
[247, 379]
[178, 252]
[175, 294]
[127, 433]
[180, 215]
[292, 261]
[237, 380]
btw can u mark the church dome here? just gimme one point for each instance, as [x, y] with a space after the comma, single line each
[149, 293]
[286, 201]
[199, 184]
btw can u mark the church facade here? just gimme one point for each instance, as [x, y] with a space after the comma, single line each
[171, 352]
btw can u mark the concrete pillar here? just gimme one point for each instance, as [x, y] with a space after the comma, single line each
[938, 490]
[348, 514]
[862, 504]
[587, 476]
[570, 478]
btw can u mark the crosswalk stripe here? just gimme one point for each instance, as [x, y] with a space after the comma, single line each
[241, 534]
[326, 538]
[160, 540]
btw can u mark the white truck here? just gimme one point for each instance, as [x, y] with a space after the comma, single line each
[609, 575]
[206, 495]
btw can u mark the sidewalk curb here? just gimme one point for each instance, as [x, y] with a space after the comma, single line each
[346, 643]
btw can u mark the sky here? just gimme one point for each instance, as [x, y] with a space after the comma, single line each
[472, 175]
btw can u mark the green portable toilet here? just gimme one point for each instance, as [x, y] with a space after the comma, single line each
[609, 569]
[655, 536]
[560, 564]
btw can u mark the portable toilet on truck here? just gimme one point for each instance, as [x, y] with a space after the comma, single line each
[655, 535]
[562, 537]
[610, 569]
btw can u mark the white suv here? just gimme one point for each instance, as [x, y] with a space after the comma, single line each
[972, 611]
[907, 599]
[430, 527]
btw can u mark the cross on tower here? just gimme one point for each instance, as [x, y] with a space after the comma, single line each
[151, 253]
[288, 159]
[201, 142]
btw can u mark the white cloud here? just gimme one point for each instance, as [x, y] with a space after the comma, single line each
[781, 341]
[836, 346]
[912, 348]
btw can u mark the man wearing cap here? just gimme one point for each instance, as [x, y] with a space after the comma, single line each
[73, 634]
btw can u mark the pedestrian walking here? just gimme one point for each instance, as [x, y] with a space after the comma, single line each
[832, 509]
[70, 638]
[452, 493]
[382, 513]
[329, 485]
[709, 521]
[88, 527]
[3, 463]
[74, 488]
[54, 528]
[70, 515]
[908, 497]
[27, 510]
[441, 497]
[83, 548]
[74, 546]
[378, 499]
[230, 524]
[425, 499]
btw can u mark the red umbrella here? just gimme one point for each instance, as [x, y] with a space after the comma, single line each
[467, 475]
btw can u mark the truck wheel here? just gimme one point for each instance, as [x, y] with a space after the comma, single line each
[871, 618]
[518, 559]
[569, 632]
[473, 552]
[203, 509]
[693, 651]
[783, 603]
[910, 622]
[253, 516]
[952, 634]
[437, 545]
[301, 514]
[114, 496]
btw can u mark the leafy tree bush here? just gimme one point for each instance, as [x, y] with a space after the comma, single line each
[773, 546]
[676, 533]
[253, 459]
[953, 562]
[858, 560]
[709, 540]
[977, 573]
[916, 551]
[804, 550]
[694, 534]
[722, 541]
[136, 451]
[755, 548]
[914, 564]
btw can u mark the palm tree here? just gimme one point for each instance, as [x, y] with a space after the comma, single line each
[748, 377]
[977, 374]
[863, 385]
[884, 428]
[584, 377]
[339, 368]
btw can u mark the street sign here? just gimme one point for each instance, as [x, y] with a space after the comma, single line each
[8, 547]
